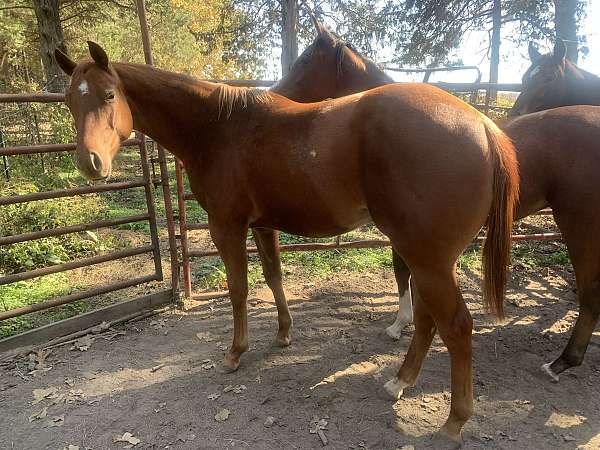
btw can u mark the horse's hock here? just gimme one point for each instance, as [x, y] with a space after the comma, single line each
[155, 292]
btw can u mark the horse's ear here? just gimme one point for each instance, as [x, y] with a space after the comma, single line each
[65, 63]
[534, 54]
[98, 55]
[560, 51]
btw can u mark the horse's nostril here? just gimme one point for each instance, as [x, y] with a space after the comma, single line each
[96, 161]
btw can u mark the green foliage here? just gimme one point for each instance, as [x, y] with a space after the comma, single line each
[47, 214]
[35, 291]
[528, 255]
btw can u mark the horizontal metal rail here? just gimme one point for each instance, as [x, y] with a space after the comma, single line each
[6, 240]
[76, 297]
[37, 97]
[51, 148]
[369, 243]
[22, 276]
[58, 193]
[468, 87]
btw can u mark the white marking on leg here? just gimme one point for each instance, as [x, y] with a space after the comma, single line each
[84, 88]
[404, 316]
[395, 387]
[548, 371]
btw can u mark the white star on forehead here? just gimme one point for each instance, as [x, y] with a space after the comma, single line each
[84, 88]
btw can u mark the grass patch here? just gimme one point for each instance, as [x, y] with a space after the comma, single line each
[528, 255]
[25, 293]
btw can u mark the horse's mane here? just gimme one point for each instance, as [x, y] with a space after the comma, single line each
[340, 44]
[234, 98]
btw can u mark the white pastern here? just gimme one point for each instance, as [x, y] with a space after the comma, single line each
[395, 387]
[404, 316]
[548, 371]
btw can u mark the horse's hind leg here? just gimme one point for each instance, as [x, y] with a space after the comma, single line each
[440, 298]
[585, 256]
[405, 307]
[419, 345]
[267, 241]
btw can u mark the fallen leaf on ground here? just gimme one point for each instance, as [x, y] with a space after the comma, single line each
[41, 394]
[83, 343]
[269, 422]
[127, 437]
[71, 447]
[238, 388]
[204, 336]
[317, 424]
[39, 415]
[100, 328]
[214, 396]
[222, 415]
[207, 364]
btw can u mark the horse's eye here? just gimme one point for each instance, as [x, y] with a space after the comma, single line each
[110, 96]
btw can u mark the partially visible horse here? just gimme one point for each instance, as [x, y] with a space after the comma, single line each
[559, 159]
[426, 168]
[552, 80]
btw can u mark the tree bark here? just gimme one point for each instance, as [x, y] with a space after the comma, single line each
[495, 46]
[289, 38]
[565, 24]
[51, 38]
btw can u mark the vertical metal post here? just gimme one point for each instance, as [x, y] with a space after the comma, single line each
[183, 231]
[164, 174]
[151, 206]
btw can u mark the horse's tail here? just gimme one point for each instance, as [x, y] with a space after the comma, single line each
[496, 250]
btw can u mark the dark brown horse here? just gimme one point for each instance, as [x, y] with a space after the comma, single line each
[558, 155]
[425, 167]
[552, 80]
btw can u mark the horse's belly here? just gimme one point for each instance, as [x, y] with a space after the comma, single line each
[312, 220]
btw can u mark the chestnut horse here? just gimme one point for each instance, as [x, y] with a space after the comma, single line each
[426, 168]
[552, 80]
[558, 157]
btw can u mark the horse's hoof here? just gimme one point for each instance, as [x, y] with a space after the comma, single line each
[231, 363]
[548, 371]
[444, 439]
[394, 331]
[283, 340]
[395, 387]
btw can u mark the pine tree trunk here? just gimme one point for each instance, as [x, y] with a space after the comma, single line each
[495, 46]
[289, 38]
[565, 24]
[51, 38]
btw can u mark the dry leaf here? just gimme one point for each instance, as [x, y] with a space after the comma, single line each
[41, 394]
[207, 364]
[71, 447]
[100, 328]
[39, 415]
[269, 422]
[204, 336]
[222, 415]
[238, 388]
[317, 424]
[214, 396]
[127, 437]
[83, 343]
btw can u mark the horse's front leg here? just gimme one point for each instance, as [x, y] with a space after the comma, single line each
[230, 240]
[267, 241]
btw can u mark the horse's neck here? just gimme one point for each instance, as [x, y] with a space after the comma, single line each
[583, 88]
[172, 109]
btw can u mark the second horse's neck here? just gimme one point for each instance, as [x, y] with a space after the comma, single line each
[583, 88]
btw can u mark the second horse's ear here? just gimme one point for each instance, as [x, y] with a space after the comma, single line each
[98, 55]
[534, 54]
[65, 63]
[560, 51]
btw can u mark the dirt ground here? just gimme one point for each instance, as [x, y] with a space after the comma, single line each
[159, 379]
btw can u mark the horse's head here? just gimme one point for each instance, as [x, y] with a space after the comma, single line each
[102, 116]
[329, 68]
[543, 84]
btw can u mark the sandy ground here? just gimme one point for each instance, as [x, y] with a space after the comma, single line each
[155, 379]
